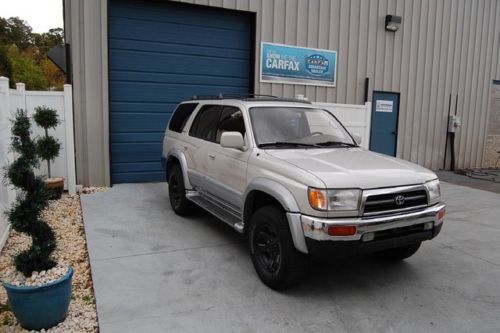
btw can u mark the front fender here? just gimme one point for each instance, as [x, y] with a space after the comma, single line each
[287, 201]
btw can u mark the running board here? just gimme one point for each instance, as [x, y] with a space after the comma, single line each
[216, 210]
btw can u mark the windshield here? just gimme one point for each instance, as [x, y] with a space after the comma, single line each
[297, 127]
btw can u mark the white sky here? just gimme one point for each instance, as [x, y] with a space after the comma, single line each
[41, 15]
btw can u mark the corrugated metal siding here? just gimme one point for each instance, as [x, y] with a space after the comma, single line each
[444, 47]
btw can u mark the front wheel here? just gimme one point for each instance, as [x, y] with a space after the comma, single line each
[398, 253]
[275, 259]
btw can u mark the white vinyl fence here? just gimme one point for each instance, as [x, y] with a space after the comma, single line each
[356, 118]
[64, 165]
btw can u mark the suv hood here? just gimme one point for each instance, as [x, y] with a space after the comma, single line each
[354, 167]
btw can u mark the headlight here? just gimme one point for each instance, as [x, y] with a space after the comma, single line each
[335, 200]
[433, 189]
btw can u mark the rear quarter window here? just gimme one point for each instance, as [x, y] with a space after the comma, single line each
[180, 116]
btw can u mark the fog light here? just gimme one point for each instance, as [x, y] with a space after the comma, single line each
[369, 236]
[342, 230]
[428, 226]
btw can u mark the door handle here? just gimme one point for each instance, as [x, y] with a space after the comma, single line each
[211, 156]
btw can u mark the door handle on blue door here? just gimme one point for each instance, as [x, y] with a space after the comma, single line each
[394, 132]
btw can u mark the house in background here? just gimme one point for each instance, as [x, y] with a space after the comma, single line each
[417, 62]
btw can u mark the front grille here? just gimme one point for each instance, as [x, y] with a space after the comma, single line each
[379, 203]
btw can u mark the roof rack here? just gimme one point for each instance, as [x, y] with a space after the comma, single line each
[250, 97]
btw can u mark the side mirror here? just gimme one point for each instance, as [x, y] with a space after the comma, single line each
[232, 140]
[357, 138]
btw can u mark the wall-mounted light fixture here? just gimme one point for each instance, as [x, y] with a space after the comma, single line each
[392, 23]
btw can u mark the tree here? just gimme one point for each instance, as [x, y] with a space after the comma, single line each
[24, 214]
[54, 76]
[16, 31]
[5, 64]
[25, 70]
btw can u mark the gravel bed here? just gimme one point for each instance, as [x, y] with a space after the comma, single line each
[65, 217]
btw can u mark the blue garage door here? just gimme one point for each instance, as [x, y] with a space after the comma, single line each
[161, 53]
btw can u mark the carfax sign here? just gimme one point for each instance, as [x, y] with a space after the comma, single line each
[297, 65]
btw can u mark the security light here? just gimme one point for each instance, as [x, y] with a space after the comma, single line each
[392, 23]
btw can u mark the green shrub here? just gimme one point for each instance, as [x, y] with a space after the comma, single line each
[47, 147]
[24, 215]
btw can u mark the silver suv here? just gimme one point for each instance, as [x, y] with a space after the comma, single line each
[290, 176]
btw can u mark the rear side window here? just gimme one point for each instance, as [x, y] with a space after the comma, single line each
[205, 124]
[180, 116]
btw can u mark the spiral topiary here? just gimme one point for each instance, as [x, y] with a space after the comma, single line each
[47, 146]
[24, 215]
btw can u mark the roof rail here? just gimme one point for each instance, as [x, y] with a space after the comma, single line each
[250, 97]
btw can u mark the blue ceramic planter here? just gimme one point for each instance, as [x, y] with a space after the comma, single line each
[41, 307]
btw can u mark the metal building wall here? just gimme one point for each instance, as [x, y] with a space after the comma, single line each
[446, 50]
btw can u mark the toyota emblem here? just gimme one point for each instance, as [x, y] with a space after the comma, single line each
[399, 200]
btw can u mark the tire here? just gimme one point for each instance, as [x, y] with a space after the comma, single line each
[177, 192]
[398, 253]
[278, 264]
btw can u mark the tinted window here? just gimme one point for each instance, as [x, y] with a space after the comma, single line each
[231, 120]
[180, 116]
[205, 124]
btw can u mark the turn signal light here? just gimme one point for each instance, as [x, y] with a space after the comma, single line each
[441, 214]
[317, 199]
[342, 230]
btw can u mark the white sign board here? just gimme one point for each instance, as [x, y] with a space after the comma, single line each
[383, 106]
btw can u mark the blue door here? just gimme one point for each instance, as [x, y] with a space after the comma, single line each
[384, 128]
[161, 53]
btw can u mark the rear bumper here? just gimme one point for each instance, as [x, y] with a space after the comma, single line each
[374, 233]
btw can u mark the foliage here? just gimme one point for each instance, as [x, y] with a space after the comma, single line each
[47, 147]
[29, 63]
[24, 69]
[24, 215]
[46, 117]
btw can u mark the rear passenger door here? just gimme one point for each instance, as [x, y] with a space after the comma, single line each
[199, 141]
[227, 167]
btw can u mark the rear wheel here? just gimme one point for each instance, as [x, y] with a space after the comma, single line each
[398, 253]
[177, 192]
[276, 261]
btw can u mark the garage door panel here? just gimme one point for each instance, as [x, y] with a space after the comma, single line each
[143, 106]
[140, 45]
[134, 91]
[139, 122]
[197, 16]
[136, 152]
[161, 53]
[179, 78]
[178, 64]
[184, 34]
[139, 137]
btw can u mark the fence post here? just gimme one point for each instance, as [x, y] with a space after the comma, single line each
[7, 194]
[21, 89]
[70, 139]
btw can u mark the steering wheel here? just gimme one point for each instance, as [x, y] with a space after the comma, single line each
[316, 133]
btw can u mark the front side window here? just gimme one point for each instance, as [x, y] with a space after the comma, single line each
[205, 124]
[297, 127]
[231, 120]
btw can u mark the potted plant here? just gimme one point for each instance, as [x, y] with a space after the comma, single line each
[48, 147]
[39, 289]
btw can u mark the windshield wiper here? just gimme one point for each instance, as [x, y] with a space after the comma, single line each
[336, 143]
[287, 144]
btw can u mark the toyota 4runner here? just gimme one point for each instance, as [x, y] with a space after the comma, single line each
[291, 177]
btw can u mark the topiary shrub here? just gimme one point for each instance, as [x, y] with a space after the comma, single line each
[47, 146]
[24, 215]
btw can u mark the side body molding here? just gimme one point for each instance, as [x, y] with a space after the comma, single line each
[177, 153]
[286, 199]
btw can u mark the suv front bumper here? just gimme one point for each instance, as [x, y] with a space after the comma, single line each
[373, 233]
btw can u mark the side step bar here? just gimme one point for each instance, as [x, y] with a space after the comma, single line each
[216, 209]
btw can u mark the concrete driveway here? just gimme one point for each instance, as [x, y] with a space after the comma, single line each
[156, 272]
